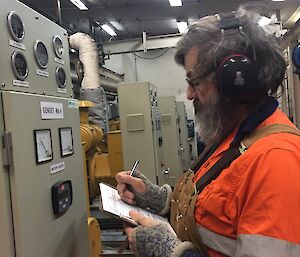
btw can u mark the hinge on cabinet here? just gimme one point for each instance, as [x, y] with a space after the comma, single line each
[7, 154]
[179, 152]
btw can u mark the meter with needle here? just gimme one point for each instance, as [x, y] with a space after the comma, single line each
[43, 145]
[66, 141]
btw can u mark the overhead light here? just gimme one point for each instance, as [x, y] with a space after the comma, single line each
[175, 2]
[278, 0]
[109, 30]
[182, 26]
[264, 21]
[79, 4]
[117, 25]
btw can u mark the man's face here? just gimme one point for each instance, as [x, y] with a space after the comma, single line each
[212, 112]
[204, 90]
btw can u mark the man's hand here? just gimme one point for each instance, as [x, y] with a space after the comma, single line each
[144, 221]
[124, 179]
[151, 238]
[140, 191]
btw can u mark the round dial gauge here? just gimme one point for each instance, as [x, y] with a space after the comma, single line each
[58, 46]
[43, 145]
[61, 77]
[41, 54]
[66, 141]
[15, 26]
[19, 65]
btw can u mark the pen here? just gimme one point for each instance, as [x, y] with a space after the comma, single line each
[133, 168]
[131, 174]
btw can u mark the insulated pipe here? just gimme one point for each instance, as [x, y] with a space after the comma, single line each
[108, 87]
[88, 55]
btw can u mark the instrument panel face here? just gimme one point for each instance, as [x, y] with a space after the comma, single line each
[61, 77]
[58, 46]
[19, 65]
[43, 145]
[66, 141]
[15, 26]
[41, 54]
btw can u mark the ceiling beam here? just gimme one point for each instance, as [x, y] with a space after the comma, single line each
[137, 45]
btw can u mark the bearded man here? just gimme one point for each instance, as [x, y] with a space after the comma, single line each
[241, 198]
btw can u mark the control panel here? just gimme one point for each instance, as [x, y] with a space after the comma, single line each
[183, 136]
[33, 60]
[42, 183]
[171, 138]
[141, 129]
[61, 197]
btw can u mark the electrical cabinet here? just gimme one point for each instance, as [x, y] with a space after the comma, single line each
[42, 184]
[171, 139]
[183, 136]
[141, 129]
[36, 55]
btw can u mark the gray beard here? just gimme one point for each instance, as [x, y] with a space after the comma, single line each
[215, 119]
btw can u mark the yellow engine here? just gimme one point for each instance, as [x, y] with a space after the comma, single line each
[103, 152]
[103, 159]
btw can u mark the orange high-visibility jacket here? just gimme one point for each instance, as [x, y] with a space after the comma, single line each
[253, 208]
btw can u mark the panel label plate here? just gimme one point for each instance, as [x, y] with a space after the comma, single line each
[51, 111]
[57, 167]
[61, 90]
[60, 61]
[20, 83]
[42, 73]
[17, 44]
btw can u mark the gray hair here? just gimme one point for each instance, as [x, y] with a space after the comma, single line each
[206, 35]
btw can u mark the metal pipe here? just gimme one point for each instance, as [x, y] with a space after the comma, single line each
[58, 11]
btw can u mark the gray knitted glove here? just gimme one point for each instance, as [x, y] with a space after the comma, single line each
[158, 241]
[156, 198]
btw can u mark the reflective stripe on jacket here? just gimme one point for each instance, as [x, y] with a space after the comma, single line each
[252, 209]
[248, 245]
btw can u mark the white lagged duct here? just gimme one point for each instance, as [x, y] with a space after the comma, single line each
[88, 55]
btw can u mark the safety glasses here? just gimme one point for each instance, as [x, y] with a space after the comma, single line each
[193, 82]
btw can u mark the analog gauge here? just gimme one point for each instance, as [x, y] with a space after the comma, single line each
[15, 26]
[61, 77]
[41, 54]
[19, 65]
[58, 46]
[43, 145]
[66, 141]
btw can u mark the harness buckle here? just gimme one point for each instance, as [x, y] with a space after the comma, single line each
[242, 148]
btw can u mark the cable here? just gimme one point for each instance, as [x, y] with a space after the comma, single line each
[151, 58]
